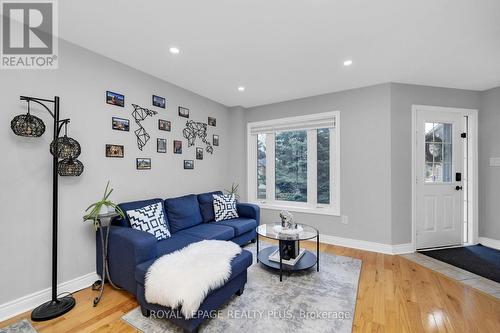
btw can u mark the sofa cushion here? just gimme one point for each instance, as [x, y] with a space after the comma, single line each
[225, 207]
[209, 231]
[206, 201]
[238, 265]
[174, 243]
[240, 225]
[183, 212]
[150, 219]
[135, 205]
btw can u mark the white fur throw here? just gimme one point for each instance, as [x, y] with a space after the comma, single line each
[185, 277]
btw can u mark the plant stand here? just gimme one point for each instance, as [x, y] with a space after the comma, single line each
[99, 284]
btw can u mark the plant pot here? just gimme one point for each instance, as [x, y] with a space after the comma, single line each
[103, 210]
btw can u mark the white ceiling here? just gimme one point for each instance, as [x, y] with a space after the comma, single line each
[287, 49]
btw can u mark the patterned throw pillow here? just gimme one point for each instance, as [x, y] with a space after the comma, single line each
[150, 219]
[225, 207]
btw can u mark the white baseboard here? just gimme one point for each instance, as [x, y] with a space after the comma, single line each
[367, 246]
[31, 301]
[402, 248]
[490, 242]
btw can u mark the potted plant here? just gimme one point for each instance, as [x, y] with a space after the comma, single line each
[102, 207]
[234, 191]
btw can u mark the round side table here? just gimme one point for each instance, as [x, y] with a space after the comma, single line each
[276, 257]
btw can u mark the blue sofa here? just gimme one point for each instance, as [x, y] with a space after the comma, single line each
[190, 219]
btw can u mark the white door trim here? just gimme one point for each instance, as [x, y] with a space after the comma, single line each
[473, 140]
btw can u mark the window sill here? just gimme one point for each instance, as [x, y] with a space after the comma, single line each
[307, 210]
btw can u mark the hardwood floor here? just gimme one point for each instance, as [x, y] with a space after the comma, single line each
[395, 295]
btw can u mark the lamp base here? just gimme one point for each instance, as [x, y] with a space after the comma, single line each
[53, 309]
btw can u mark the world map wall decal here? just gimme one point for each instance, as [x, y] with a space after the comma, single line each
[195, 130]
[139, 115]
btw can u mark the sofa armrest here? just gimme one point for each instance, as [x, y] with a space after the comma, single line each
[249, 210]
[127, 248]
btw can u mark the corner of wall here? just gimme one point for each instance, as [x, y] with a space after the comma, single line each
[237, 166]
[489, 117]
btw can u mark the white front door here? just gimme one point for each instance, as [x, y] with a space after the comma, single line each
[439, 178]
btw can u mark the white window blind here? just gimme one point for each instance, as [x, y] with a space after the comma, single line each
[309, 122]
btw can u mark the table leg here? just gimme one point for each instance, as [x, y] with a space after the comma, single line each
[103, 272]
[107, 266]
[317, 253]
[281, 260]
[257, 247]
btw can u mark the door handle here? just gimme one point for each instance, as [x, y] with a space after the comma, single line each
[458, 188]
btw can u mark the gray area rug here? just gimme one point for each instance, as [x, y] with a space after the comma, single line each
[306, 301]
[22, 326]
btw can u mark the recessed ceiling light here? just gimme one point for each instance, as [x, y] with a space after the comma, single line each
[348, 62]
[241, 88]
[174, 50]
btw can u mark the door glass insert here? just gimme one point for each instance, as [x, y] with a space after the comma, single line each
[438, 153]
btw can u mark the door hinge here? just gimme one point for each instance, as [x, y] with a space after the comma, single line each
[463, 135]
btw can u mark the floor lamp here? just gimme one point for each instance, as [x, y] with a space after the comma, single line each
[65, 151]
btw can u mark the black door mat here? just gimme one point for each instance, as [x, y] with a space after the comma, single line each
[477, 259]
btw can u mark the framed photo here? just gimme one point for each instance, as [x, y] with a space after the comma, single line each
[215, 140]
[212, 121]
[199, 153]
[188, 164]
[159, 102]
[120, 124]
[143, 163]
[161, 145]
[164, 125]
[177, 147]
[114, 151]
[115, 99]
[183, 112]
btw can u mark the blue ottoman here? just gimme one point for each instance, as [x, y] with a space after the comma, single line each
[210, 305]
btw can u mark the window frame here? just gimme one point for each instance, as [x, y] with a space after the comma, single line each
[270, 127]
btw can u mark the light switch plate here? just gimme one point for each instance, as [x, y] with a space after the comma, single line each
[495, 161]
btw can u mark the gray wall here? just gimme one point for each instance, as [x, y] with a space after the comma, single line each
[403, 96]
[365, 159]
[25, 180]
[489, 177]
[375, 154]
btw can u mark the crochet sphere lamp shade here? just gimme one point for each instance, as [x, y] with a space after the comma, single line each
[27, 125]
[70, 167]
[65, 147]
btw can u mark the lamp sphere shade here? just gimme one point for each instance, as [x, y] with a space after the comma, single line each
[70, 167]
[65, 147]
[27, 125]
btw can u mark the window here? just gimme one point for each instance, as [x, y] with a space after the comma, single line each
[323, 166]
[294, 163]
[261, 166]
[291, 166]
